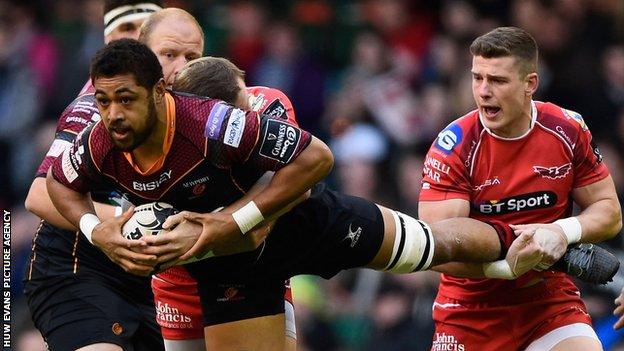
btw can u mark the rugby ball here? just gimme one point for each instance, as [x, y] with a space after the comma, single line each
[147, 219]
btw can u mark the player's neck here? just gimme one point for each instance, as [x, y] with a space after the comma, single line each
[520, 126]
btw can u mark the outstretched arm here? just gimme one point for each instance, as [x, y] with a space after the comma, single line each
[433, 211]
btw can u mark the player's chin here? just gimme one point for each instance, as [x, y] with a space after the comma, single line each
[125, 144]
[494, 122]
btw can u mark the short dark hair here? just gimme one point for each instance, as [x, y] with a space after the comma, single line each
[113, 4]
[508, 41]
[127, 56]
[215, 77]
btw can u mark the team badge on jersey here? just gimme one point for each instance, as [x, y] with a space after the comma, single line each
[276, 110]
[555, 172]
[280, 141]
[448, 138]
[577, 117]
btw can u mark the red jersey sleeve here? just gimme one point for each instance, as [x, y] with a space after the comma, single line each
[587, 160]
[75, 168]
[272, 103]
[80, 113]
[444, 174]
[237, 137]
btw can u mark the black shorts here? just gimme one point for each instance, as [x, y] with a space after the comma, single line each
[323, 235]
[73, 312]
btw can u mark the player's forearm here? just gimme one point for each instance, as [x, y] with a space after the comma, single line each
[69, 203]
[291, 182]
[465, 240]
[601, 221]
[257, 189]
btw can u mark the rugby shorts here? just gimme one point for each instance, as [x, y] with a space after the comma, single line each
[73, 312]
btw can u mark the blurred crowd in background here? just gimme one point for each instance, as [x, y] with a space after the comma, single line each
[375, 79]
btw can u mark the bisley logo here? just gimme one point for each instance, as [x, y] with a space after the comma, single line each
[155, 184]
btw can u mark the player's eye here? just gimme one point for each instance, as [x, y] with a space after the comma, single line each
[125, 100]
[103, 102]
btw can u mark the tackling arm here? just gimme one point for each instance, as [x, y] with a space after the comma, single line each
[434, 211]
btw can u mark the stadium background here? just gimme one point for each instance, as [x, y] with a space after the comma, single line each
[375, 79]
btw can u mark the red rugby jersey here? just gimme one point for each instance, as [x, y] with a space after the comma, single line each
[528, 179]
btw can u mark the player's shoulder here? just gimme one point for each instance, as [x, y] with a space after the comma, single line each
[549, 112]
[459, 136]
[567, 123]
[79, 113]
[96, 135]
[270, 102]
[199, 118]
[192, 109]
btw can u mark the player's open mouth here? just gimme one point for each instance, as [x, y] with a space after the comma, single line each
[490, 112]
[120, 133]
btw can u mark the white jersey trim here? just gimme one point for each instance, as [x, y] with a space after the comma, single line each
[552, 338]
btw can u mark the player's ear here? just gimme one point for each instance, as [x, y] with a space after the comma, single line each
[531, 82]
[159, 90]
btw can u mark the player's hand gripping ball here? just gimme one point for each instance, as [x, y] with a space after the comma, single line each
[147, 219]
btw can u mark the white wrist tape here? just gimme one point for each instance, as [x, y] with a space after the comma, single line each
[571, 228]
[248, 217]
[118, 211]
[88, 221]
[498, 270]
